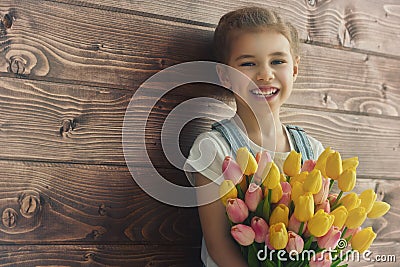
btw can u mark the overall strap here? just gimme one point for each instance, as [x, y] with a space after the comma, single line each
[300, 141]
[232, 135]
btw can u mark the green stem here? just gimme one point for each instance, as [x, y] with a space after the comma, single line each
[336, 206]
[331, 184]
[344, 232]
[301, 228]
[269, 205]
[337, 199]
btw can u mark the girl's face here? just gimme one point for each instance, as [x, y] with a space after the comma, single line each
[265, 58]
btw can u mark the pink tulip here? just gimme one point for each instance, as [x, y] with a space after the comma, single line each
[231, 170]
[325, 206]
[295, 243]
[237, 210]
[351, 232]
[322, 195]
[243, 234]
[294, 225]
[308, 165]
[253, 196]
[321, 259]
[263, 158]
[260, 228]
[331, 239]
[287, 194]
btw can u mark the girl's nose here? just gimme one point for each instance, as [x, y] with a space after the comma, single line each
[265, 74]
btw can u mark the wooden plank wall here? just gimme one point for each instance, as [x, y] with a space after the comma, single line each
[68, 69]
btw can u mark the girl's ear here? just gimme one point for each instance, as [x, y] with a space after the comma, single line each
[296, 67]
[222, 71]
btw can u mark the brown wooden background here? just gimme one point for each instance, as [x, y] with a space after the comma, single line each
[68, 69]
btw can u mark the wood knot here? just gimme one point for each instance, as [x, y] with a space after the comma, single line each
[17, 65]
[344, 36]
[67, 126]
[311, 3]
[102, 210]
[30, 205]
[9, 218]
[97, 47]
[384, 89]
[7, 21]
[89, 256]
[309, 38]
[162, 63]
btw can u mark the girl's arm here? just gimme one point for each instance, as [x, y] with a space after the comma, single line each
[216, 231]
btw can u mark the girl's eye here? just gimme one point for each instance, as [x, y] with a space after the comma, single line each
[277, 62]
[247, 64]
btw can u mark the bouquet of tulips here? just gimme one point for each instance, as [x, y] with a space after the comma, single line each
[291, 218]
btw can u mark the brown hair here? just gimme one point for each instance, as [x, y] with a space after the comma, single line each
[251, 19]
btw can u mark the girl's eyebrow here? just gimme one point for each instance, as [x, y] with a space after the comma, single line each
[278, 53]
[244, 56]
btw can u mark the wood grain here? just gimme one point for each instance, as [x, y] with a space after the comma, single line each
[88, 204]
[344, 24]
[70, 123]
[99, 255]
[127, 55]
[85, 45]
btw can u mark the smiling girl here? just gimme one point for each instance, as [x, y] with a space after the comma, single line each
[265, 48]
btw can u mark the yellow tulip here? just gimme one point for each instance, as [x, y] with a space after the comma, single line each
[378, 209]
[272, 176]
[350, 163]
[276, 193]
[350, 201]
[304, 207]
[362, 240]
[347, 180]
[246, 161]
[368, 198]
[320, 223]
[243, 185]
[301, 177]
[297, 191]
[280, 215]
[321, 162]
[340, 214]
[313, 182]
[282, 178]
[292, 164]
[227, 190]
[278, 236]
[356, 218]
[334, 165]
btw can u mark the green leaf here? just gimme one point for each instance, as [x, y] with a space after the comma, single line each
[240, 192]
[308, 243]
[259, 210]
[252, 259]
[266, 210]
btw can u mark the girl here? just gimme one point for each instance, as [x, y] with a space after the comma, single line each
[261, 45]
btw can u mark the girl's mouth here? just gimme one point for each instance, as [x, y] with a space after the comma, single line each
[265, 93]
